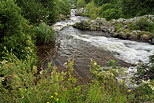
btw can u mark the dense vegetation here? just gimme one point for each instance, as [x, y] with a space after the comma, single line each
[113, 9]
[23, 27]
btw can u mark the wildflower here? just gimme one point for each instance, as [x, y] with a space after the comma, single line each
[121, 80]
[57, 76]
[56, 93]
[48, 102]
[51, 96]
[126, 85]
[129, 90]
[95, 63]
[57, 99]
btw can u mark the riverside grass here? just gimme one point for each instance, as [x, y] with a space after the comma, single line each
[23, 83]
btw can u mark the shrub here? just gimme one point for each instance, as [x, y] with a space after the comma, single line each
[52, 7]
[82, 25]
[33, 10]
[145, 71]
[11, 21]
[101, 2]
[13, 31]
[21, 45]
[91, 10]
[64, 7]
[143, 24]
[131, 8]
[111, 13]
[81, 3]
[43, 33]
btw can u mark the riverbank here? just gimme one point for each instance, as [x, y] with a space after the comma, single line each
[136, 29]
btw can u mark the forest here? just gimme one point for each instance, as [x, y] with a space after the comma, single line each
[27, 25]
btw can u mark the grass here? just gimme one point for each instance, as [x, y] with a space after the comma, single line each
[25, 84]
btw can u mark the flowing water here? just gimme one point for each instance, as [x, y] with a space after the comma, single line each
[96, 45]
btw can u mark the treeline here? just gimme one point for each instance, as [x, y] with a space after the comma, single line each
[24, 24]
[114, 9]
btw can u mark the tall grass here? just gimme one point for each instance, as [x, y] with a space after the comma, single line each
[25, 84]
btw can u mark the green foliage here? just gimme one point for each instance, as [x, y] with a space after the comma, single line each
[110, 13]
[81, 3]
[21, 45]
[144, 92]
[91, 10]
[43, 33]
[101, 2]
[143, 24]
[53, 8]
[33, 10]
[145, 71]
[11, 21]
[131, 8]
[105, 7]
[14, 37]
[82, 25]
[113, 9]
[64, 7]
[22, 82]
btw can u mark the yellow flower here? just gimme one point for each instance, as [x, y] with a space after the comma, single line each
[57, 76]
[57, 99]
[48, 102]
[129, 90]
[95, 64]
[126, 85]
[121, 80]
[51, 96]
[56, 93]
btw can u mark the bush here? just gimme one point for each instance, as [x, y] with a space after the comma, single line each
[82, 25]
[43, 33]
[21, 45]
[105, 7]
[52, 7]
[81, 3]
[64, 7]
[101, 2]
[91, 10]
[145, 71]
[11, 21]
[13, 31]
[131, 8]
[143, 24]
[111, 13]
[33, 10]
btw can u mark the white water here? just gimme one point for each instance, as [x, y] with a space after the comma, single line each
[73, 19]
[130, 51]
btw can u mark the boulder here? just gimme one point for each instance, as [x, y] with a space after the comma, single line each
[152, 40]
[133, 36]
[145, 37]
[80, 12]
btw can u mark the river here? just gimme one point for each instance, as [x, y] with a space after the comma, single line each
[96, 45]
